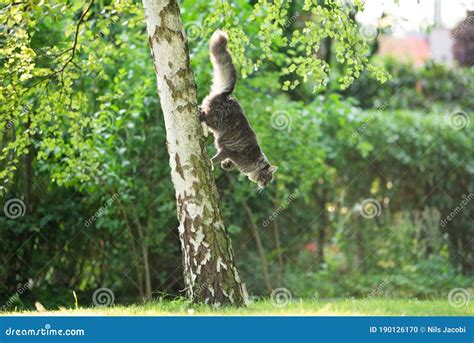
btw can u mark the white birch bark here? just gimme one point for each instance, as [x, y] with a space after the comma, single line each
[209, 269]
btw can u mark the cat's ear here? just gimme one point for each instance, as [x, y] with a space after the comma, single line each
[273, 169]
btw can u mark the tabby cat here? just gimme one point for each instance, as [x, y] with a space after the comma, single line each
[236, 142]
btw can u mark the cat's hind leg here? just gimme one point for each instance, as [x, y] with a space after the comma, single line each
[228, 164]
[218, 158]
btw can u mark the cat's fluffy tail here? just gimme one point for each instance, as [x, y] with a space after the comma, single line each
[224, 71]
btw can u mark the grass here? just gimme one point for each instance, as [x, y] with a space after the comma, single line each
[343, 307]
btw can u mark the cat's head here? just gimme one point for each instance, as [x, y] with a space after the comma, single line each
[265, 176]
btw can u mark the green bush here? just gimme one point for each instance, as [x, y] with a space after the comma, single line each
[417, 88]
[337, 156]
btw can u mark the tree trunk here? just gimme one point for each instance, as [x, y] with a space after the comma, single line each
[134, 252]
[281, 263]
[261, 250]
[323, 221]
[146, 264]
[210, 274]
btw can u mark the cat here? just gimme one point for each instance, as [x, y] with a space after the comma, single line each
[236, 142]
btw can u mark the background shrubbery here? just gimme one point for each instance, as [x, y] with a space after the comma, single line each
[417, 87]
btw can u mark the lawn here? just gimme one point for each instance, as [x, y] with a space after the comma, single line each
[333, 307]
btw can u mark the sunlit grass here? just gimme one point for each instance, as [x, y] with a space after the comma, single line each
[347, 307]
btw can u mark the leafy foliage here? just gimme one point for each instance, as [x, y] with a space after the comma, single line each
[417, 88]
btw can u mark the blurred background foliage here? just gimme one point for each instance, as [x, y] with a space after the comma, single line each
[85, 151]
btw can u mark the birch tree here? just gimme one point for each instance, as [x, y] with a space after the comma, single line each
[209, 269]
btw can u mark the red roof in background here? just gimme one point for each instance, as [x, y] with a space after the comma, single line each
[413, 49]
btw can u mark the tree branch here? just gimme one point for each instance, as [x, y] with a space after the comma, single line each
[76, 35]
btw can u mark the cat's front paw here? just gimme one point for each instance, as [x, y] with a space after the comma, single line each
[228, 165]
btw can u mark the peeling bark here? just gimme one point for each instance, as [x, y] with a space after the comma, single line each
[209, 269]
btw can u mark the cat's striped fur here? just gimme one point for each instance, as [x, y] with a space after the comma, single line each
[236, 142]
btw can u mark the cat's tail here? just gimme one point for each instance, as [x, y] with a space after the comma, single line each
[224, 71]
